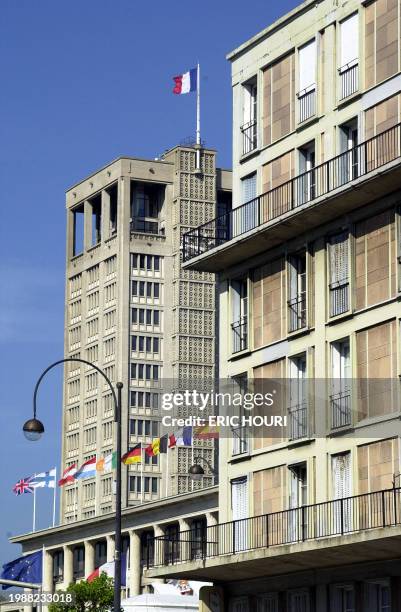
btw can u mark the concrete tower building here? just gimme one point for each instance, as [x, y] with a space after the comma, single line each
[134, 312]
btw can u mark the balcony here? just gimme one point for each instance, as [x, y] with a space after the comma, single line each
[298, 421]
[340, 408]
[240, 335]
[348, 181]
[348, 79]
[362, 527]
[249, 137]
[307, 103]
[297, 312]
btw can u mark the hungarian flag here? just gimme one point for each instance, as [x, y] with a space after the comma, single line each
[187, 82]
[206, 432]
[68, 475]
[134, 455]
[181, 437]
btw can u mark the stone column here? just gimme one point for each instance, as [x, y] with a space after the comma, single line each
[87, 225]
[89, 557]
[159, 531]
[111, 546]
[184, 543]
[135, 570]
[105, 218]
[68, 566]
[47, 571]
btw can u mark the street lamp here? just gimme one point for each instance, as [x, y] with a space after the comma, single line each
[33, 430]
[196, 471]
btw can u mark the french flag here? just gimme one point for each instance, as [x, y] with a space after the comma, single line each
[187, 82]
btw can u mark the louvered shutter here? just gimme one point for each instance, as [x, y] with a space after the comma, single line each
[338, 251]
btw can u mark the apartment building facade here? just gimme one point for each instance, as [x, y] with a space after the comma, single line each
[132, 311]
[309, 300]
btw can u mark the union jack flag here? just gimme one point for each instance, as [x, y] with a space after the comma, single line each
[23, 486]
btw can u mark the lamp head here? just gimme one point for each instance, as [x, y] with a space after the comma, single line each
[33, 429]
[196, 472]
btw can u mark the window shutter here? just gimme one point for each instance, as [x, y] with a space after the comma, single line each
[248, 188]
[307, 65]
[349, 40]
[338, 258]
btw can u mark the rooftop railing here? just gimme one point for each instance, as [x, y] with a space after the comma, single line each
[341, 170]
[338, 517]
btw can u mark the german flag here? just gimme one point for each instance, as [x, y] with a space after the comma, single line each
[134, 455]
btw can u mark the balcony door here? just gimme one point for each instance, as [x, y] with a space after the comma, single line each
[348, 167]
[240, 512]
[297, 410]
[340, 401]
[306, 181]
[297, 292]
[246, 217]
[298, 498]
[239, 323]
[342, 488]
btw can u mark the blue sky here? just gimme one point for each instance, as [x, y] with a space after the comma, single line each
[82, 83]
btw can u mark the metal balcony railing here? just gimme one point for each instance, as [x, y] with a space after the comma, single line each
[339, 297]
[336, 172]
[348, 79]
[297, 312]
[340, 405]
[240, 335]
[337, 517]
[249, 137]
[298, 421]
[307, 103]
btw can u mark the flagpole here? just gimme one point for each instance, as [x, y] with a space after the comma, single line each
[198, 133]
[142, 462]
[54, 496]
[34, 509]
[167, 475]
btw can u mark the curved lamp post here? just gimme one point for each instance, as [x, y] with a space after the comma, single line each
[196, 471]
[33, 430]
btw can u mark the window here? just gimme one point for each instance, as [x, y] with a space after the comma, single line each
[267, 603]
[144, 399]
[249, 123]
[240, 434]
[147, 548]
[143, 427]
[100, 553]
[377, 596]
[340, 399]
[146, 203]
[298, 408]
[58, 566]
[299, 601]
[248, 188]
[78, 562]
[239, 604]
[297, 291]
[150, 485]
[239, 325]
[144, 316]
[342, 598]
[307, 81]
[144, 371]
[338, 246]
[349, 54]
